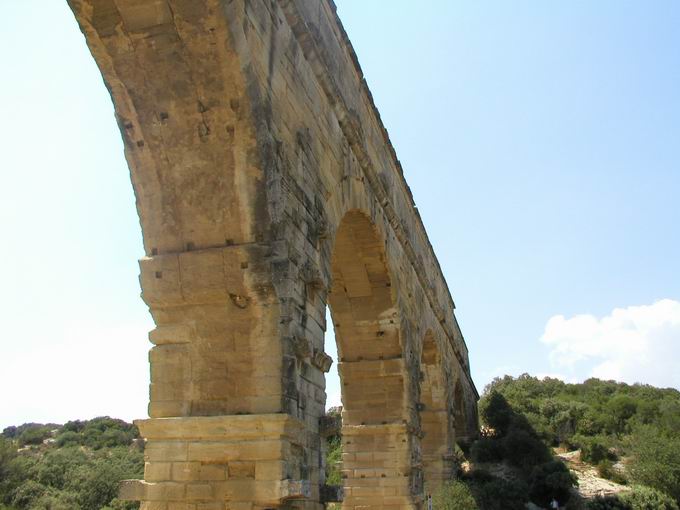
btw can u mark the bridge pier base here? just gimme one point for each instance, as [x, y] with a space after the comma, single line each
[246, 462]
[378, 468]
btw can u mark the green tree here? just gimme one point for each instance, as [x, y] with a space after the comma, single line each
[495, 493]
[620, 409]
[647, 498]
[551, 480]
[28, 493]
[496, 412]
[656, 460]
[524, 450]
[58, 466]
[34, 435]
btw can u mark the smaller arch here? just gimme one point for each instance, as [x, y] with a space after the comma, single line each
[436, 442]
[376, 441]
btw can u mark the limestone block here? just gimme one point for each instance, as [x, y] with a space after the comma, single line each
[185, 471]
[215, 472]
[202, 276]
[171, 334]
[160, 280]
[199, 492]
[157, 471]
[138, 16]
[166, 451]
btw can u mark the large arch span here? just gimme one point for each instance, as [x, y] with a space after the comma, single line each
[267, 189]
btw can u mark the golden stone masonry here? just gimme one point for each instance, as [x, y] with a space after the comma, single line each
[267, 189]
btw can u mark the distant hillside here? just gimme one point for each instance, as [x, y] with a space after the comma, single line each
[564, 413]
[76, 466]
[630, 434]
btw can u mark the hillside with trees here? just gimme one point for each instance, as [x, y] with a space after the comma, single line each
[629, 433]
[76, 466]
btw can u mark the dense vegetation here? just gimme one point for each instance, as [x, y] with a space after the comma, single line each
[509, 438]
[631, 433]
[77, 466]
[608, 421]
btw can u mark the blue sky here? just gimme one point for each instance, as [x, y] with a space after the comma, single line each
[541, 141]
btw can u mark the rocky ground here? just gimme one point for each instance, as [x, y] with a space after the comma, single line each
[590, 484]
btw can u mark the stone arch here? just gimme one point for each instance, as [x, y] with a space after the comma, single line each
[253, 145]
[437, 435]
[376, 440]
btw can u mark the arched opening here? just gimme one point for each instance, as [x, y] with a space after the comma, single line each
[375, 440]
[435, 444]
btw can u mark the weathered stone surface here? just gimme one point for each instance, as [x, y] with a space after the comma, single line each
[267, 189]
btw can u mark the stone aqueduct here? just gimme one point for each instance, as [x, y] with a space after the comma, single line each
[267, 189]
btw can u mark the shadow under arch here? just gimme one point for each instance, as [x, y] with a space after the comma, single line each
[376, 440]
[436, 443]
[460, 425]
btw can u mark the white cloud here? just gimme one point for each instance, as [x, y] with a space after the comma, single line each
[633, 344]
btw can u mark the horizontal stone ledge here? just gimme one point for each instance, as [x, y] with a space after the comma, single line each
[260, 492]
[371, 429]
[228, 245]
[222, 428]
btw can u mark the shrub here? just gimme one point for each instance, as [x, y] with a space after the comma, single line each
[500, 494]
[108, 432]
[647, 498]
[25, 495]
[593, 449]
[620, 409]
[551, 480]
[478, 476]
[640, 498]
[487, 450]
[96, 484]
[496, 412]
[7, 453]
[34, 435]
[454, 495]
[57, 466]
[56, 500]
[524, 450]
[333, 459]
[74, 426]
[605, 469]
[10, 432]
[69, 438]
[608, 503]
[118, 504]
[17, 470]
[656, 461]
